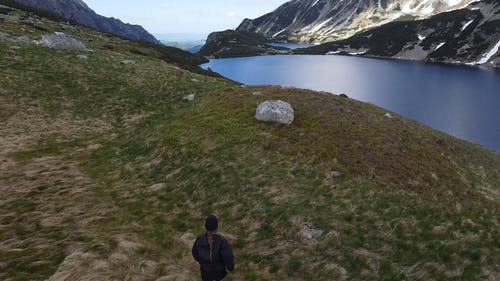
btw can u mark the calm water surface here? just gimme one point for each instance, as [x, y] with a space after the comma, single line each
[461, 101]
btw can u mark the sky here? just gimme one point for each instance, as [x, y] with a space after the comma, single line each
[184, 16]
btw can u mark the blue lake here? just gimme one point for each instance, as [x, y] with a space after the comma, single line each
[461, 101]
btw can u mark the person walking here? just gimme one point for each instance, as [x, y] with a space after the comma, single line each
[213, 252]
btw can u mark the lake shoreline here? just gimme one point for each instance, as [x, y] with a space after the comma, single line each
[449, 92]
[290, 52]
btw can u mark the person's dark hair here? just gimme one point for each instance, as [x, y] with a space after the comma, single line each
[211, 225]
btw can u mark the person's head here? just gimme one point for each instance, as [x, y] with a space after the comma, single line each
[211, 224]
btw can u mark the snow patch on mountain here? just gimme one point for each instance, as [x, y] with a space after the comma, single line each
[328, 20]
[466, 25]
[439, 46]
[279, 32]
[464, 36]
[488, 55]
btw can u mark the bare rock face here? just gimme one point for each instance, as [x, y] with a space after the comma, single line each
[62, 41]
[275, 111]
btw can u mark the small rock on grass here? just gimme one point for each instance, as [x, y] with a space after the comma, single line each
[257, 93]
[149, 267]
[157, 187]
[190, 97]
[336, 174]
[309, 231]
[83, 57]
[128, 62]
[388, 115]
[95, 146]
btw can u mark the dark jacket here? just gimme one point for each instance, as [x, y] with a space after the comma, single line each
[215, 268]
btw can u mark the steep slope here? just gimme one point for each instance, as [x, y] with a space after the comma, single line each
[328, 20]
[107, 172]
[466, 36]
[77, 11]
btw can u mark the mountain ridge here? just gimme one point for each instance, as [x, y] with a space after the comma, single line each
[79, 12]
[469, 36]
[328, 20]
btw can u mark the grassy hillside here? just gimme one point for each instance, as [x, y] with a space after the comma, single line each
[106, 173]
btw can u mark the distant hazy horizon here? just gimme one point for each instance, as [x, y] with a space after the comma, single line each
[184, 17]
[180, 37]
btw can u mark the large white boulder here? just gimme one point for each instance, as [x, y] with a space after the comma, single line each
[275, 111]
[62, 41]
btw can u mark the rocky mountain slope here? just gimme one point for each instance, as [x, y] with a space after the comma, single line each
[107, 172]
[466, 36]
[78, 12]
[328, 20]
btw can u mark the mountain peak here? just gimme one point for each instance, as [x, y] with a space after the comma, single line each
[79, 12]
[327, 20]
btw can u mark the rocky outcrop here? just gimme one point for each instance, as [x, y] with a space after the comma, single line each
[62, 41]
[328, 20]
[276, 111]
[232, 43]
[77, 11]
[466, 36]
